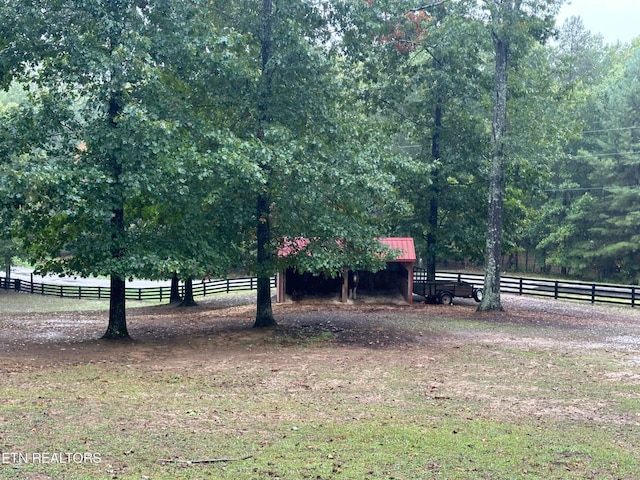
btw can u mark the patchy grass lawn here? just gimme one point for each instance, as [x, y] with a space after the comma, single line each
[545, 390]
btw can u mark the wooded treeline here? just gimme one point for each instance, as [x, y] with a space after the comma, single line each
[160, 138]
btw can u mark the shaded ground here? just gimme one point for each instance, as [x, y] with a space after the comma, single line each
[224, 326]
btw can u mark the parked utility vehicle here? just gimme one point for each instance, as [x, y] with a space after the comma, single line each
[443, 291]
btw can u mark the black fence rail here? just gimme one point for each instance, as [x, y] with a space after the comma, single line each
[160, 293]
[628, 295]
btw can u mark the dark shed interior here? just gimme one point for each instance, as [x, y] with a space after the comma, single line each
[299, 285]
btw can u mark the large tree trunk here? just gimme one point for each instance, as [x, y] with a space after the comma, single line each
[117, 328]
[7, 273]
[491, 297]
[432, 236]
[7, 268]
[264, 312]
[174, 296]
[188, 300]
[117, 301]
[436, 152]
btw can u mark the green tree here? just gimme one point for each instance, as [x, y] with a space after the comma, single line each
[422, 70]
[596, 231]
[320, 164]
[11, 95]
[513, 26]
[198, 221]
[102, 146]
[139, 122]
[10, 141]
[579, 62]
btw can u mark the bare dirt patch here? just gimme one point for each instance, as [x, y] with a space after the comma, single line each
[224, 326]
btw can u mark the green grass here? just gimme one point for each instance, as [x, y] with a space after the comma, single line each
[301, 405]
[16, 303]
[133, 419]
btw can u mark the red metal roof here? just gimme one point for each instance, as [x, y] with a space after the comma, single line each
[404, 245]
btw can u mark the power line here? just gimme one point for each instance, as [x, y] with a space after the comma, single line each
[605, 154]
[584, 189]
[609, 130]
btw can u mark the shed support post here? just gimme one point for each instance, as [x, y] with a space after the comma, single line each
[281, 285]
[345, 284]
[410, 293]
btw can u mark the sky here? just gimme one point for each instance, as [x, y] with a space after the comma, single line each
[613, 19]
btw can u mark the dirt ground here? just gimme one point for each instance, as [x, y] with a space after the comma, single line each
[223, 386]
[456, 349]
[223, 326]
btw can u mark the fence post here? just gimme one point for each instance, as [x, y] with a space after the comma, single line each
[61, 290]
[31, 286]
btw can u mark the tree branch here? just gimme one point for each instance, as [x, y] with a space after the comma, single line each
[399, 112]
[206, 460]
[426, 7]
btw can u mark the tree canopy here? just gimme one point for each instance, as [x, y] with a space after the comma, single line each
[157, 138]
[159, 132]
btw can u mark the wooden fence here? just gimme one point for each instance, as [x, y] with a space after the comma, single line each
[160, 293]
[628, 295]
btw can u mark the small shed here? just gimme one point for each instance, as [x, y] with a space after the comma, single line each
[396, 277]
